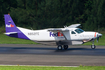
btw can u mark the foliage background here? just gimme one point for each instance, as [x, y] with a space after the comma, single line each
[40, 14]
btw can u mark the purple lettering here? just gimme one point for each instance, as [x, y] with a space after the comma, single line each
[53, 34]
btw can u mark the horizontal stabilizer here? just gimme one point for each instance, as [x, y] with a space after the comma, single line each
[10, 33]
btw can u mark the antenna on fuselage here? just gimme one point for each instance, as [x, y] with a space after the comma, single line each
[65, 26]
[31, 28]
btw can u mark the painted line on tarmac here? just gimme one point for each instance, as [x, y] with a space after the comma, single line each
[40, 65]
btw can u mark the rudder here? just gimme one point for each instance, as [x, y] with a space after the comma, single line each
[9, 24]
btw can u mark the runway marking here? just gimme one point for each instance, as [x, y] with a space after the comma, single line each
[39, 65]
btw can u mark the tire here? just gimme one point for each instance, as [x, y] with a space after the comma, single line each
[65, 47]
[59, 47]
[93, 46]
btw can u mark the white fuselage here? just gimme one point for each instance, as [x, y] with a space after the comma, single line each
[70, 37]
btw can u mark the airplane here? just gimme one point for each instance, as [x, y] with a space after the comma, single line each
[62, 37]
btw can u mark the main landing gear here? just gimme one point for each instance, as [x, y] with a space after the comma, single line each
[64, 46]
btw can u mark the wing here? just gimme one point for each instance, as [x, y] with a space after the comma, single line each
[59, 30]
[74, 25]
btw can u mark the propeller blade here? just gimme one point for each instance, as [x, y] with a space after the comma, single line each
[97, 39]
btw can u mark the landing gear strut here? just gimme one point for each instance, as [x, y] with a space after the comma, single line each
[93, 46]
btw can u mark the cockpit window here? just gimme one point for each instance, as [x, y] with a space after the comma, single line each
[79, 31]
[73, 32]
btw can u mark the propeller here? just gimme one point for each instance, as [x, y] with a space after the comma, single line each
[98, 36]
[97, 39]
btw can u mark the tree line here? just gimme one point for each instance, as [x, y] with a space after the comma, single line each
[40, 14]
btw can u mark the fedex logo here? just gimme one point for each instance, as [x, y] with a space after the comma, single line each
[9, 25]
[58, 34]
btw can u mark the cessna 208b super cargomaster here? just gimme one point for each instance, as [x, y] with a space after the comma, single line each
[70, 35]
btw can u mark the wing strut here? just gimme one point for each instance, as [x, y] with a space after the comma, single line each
[63, 35]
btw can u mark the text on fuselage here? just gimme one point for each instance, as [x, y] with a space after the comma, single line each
[33, 33]
[58, 34]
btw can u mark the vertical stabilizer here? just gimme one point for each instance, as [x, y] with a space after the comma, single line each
[12, 30]
[9, 24]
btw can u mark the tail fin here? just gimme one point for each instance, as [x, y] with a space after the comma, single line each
[11, 29]
[9, 24]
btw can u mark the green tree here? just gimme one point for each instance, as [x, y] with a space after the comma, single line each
[40, 14]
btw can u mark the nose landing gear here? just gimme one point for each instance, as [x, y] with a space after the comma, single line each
[93, 46]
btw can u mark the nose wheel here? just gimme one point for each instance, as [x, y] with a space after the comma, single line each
[93, 46]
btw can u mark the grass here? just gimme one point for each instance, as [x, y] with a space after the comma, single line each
[51, 68]
[10, 40]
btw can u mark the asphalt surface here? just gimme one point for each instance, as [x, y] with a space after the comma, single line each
[27, 54]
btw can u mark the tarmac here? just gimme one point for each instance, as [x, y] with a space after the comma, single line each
[44, 55]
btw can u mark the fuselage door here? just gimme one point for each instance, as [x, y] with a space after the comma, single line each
[74, 35]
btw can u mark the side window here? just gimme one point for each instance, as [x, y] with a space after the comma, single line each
[72, 32]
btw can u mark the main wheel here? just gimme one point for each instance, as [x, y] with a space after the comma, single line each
[59, 47]
[93, 46]
[65, 47]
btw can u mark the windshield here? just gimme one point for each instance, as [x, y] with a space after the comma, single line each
[79, 31]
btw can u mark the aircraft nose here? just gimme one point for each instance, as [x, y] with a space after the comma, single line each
[99, 34]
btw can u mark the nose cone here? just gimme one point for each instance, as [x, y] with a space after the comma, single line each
[99, 34]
